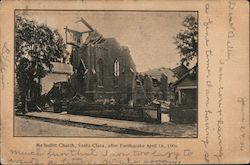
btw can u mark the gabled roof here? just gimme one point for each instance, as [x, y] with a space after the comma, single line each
[157, 73]
[188, 79]
[180, 70]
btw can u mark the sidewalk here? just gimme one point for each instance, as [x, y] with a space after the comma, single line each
[133, 127]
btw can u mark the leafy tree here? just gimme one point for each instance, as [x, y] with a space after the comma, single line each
[187, 40]
[36, 46]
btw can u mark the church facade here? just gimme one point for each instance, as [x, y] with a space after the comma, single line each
[103, 69]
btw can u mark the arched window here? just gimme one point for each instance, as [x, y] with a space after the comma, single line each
[100, 72]
[116, 71]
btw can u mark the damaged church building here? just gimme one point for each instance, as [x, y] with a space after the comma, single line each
[102, 68]
[105, 83]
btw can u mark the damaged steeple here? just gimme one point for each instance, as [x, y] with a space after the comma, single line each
[94, 38]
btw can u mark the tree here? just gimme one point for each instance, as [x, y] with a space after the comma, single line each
[187, 40]
[36, 46]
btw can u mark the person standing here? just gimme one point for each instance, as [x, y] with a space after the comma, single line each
[35, 93]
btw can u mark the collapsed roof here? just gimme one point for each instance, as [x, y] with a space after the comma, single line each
[157, 74]
[93, 37]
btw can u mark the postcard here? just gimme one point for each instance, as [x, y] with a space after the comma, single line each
[124, 82]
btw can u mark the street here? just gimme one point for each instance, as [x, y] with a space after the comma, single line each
[31, 127]
[54, 124]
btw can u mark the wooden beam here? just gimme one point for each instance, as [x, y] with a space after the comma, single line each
[70, 43]
[86, 24]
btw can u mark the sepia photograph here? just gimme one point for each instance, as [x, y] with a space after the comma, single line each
[105, 73]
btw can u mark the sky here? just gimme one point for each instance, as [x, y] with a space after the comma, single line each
[148, 35]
